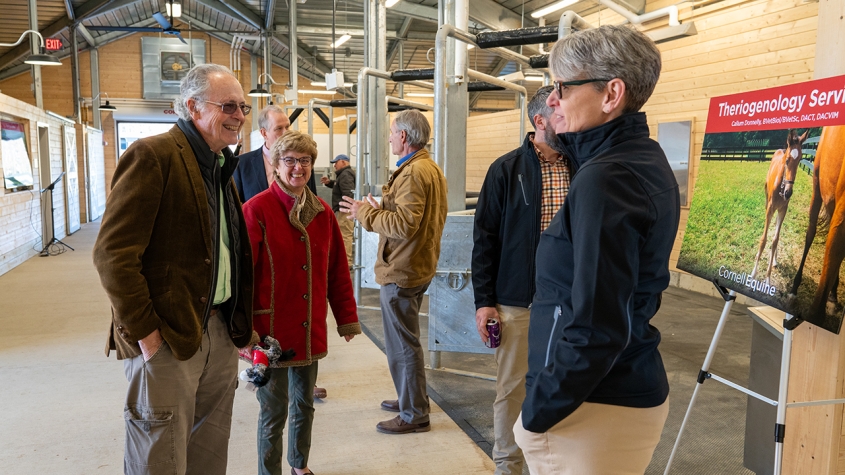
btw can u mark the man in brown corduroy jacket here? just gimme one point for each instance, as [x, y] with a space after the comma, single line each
[174, 258]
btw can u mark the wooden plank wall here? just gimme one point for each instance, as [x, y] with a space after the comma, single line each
[20, 211]
[740, 46]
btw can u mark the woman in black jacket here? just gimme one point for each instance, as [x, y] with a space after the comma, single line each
[596, 390]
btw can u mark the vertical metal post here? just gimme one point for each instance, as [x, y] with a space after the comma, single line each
[95, 87]
[253, 72]
[376, 108]
[780, 422]
[74, 74]
[450, 107]
[294, 55]
[401, 47]
[35, 48]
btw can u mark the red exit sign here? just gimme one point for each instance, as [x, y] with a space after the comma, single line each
[53, 44]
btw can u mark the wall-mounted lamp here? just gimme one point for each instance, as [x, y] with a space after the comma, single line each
[42, 59]
[174, 8]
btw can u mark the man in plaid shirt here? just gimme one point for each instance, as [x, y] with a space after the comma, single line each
[521, 194]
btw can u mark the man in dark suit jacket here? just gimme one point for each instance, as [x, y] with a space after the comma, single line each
[255, 173]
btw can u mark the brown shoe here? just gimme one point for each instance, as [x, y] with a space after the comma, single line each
[399, 426]
[293, 472]
[391, 405]
[319, 393]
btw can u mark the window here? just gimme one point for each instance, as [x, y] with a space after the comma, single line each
[17, 167]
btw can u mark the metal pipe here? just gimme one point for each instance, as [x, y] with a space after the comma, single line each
[74, 70]
[440, 79]
[404, 102]
[523, 94]
[570, 19]
[671, 11]
[461, 23]
[294, 55]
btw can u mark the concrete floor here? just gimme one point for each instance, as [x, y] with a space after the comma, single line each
[62, 398]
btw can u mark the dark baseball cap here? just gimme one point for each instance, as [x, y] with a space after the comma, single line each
[339, 158]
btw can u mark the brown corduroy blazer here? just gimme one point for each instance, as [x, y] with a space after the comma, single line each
[155, 249]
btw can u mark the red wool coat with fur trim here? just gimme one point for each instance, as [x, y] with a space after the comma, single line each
[300, 263]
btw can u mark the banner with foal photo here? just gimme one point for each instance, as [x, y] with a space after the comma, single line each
[767, 218]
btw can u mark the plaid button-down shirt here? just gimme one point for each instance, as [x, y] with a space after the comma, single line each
[555, 179]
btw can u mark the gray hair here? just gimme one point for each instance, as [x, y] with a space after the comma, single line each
[264, 115]
[610, 52]
[415, 126]
[537, 104]
[196, 85]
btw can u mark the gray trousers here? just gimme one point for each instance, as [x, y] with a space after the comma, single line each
[290, 390]
[178, 413]
[400, 311]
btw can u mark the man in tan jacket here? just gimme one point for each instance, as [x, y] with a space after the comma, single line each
[410, 221]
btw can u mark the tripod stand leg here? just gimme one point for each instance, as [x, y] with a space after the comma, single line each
[780, 423]
[702, 374]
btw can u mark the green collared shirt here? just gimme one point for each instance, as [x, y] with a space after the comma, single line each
[224, 257]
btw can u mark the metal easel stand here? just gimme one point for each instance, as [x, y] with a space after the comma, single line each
[790, 323]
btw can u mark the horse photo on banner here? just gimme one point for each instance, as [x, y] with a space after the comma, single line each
[767, 218]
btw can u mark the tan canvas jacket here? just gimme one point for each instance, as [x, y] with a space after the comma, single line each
[410, 222]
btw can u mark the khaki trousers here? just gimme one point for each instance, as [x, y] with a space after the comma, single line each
[347, 227]
[512, 362]
[179, 413]
[596, 439]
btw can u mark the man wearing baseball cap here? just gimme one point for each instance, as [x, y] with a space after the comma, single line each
[342, 185]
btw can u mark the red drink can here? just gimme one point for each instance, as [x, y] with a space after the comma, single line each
[494, 333]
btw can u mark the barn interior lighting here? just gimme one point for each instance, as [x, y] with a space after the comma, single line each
[341, 40]
[534, 78]
[174, 8]
[259, 92]
[107, 107]
[390, 3]
[41, 59]
[553, 8]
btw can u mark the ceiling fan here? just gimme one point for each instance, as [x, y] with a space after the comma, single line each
[166, 27]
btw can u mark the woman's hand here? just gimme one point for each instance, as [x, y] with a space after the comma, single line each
[349, 337]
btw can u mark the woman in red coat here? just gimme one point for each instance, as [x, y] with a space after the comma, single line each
[300, 268]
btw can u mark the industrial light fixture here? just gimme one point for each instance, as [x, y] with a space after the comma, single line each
[107, 107]
[553, 8]
[341, 40]
[469, 46]
[259, 91]
[40, 59]
[390, 3]
[420, 94]
[534, 78]
[174, 8]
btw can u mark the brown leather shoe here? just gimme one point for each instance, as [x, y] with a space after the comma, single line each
[399, 426]
[293, 472]
[319, 393]
[391, 405]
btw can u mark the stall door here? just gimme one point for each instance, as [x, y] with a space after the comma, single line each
[72, 177]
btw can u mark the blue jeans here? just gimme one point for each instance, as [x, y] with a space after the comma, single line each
[289, 390]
